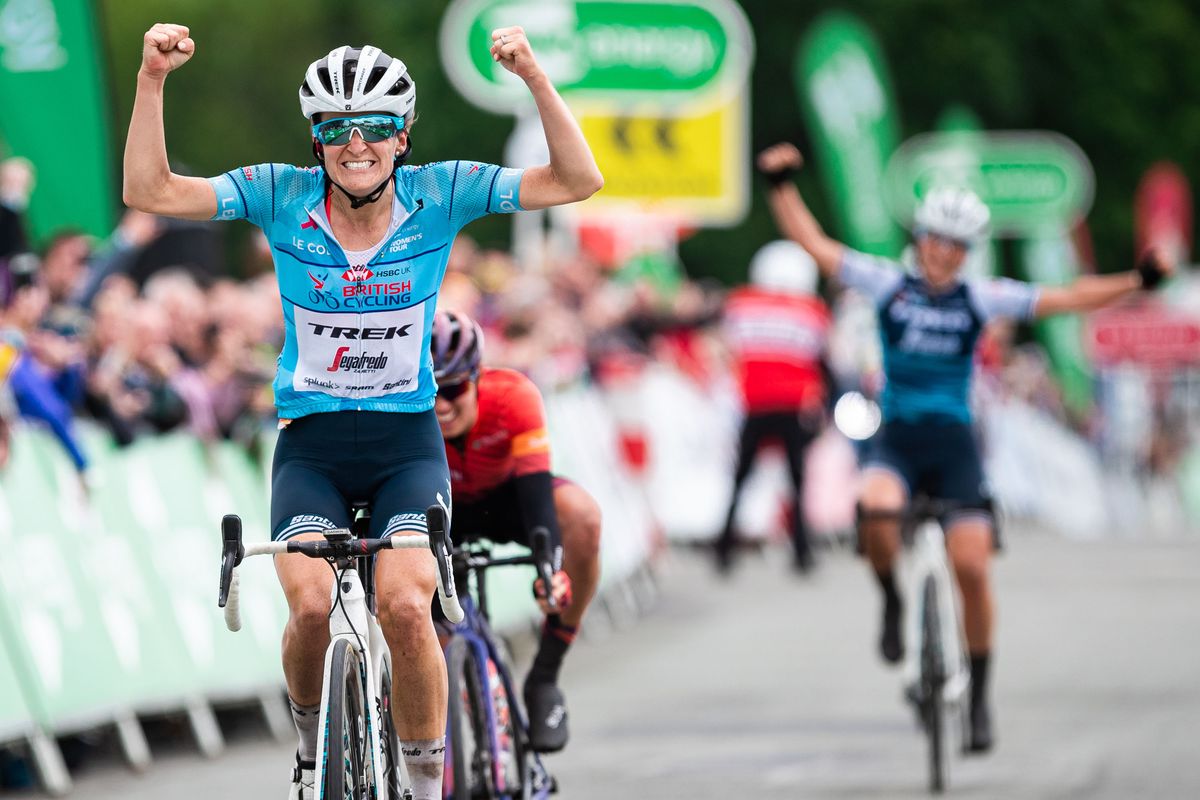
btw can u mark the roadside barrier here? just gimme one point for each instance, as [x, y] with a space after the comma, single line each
[108, 591]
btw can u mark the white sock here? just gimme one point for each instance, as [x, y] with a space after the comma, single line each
[425, 759]
[306, 719]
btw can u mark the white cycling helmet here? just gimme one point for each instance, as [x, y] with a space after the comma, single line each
[954, 213]
[784, 266]
[354, 80]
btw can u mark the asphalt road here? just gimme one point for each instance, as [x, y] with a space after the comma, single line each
[766, 686]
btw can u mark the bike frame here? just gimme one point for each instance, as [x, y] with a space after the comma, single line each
[475, 629]
[354, 621]
[356, 624]
[924, 558]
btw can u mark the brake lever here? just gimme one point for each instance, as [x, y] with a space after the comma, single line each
[543, 563]
[232, 553]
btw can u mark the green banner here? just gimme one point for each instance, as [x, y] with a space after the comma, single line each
[1052, 260]
[53, 90]
[981, 261]
[846, 95]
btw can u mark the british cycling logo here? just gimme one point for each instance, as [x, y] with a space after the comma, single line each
[363, 362]
[395, 287]
[358, 274]
[318, 283]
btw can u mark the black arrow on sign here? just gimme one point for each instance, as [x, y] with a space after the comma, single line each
[620, 134]
[664, 134]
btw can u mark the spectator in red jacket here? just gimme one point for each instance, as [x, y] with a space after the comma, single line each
[776, 329]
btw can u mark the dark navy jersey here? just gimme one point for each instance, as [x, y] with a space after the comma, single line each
[929, 337]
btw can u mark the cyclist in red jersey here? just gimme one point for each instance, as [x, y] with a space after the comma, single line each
[498, 450]
[776, 329]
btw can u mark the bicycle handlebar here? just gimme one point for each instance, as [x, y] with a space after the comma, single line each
[541, 558]
[234, 552]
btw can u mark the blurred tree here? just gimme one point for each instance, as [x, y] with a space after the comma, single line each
[1117, 76]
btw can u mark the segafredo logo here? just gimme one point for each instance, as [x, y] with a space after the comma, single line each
[363, 362]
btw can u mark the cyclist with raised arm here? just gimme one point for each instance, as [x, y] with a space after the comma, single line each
[499, 454]
[930, 318]
[360, 244]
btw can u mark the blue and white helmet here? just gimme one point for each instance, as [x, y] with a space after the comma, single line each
[954, 213]
[353, 80]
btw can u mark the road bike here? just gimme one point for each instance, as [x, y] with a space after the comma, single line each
[936, 671]
[358, 749]
[487, 737]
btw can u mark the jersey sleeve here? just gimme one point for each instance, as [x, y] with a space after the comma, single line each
[526, 420]
[467, 190]
[1004, 297]
[255, 193]
[876, 277]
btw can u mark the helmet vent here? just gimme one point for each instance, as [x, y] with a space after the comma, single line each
[350, 67]
[401, 86]
[373, 79]
[323, 77]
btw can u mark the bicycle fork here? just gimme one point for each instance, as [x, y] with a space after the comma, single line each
[928, 561]
[351, 621]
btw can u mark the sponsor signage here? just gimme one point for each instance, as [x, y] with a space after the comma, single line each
[843, 87]
[1148, 334]
[1033, 182]
[693, 167]
[627, 50]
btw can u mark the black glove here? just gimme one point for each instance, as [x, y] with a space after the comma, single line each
[1150, 270]
[778, 177]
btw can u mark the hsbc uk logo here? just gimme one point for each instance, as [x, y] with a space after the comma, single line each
[363, 362]
[358, 274]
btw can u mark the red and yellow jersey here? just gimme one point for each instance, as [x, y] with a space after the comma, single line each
[777, 342]
[508, 440]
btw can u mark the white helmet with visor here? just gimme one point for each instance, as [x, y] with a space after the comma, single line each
[952, 213]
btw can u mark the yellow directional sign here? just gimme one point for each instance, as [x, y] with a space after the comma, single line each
[692, 166]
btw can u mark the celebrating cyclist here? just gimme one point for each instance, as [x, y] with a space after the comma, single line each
[499, 455]
[776, 329]
[930, 319]
[360, 243]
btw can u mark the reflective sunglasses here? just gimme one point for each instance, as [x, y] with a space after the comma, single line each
[372, 128]
[947, 240]
[453, 391]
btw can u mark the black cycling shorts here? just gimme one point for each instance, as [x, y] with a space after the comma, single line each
[395, 462]
[496, 516]
[939, 459]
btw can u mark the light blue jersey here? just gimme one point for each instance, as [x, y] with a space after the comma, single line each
[929, 337]
[356, 335]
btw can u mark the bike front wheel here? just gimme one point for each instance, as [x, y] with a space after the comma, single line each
[933, 682]
[469, 744]
[346, 763]
[393, 775]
